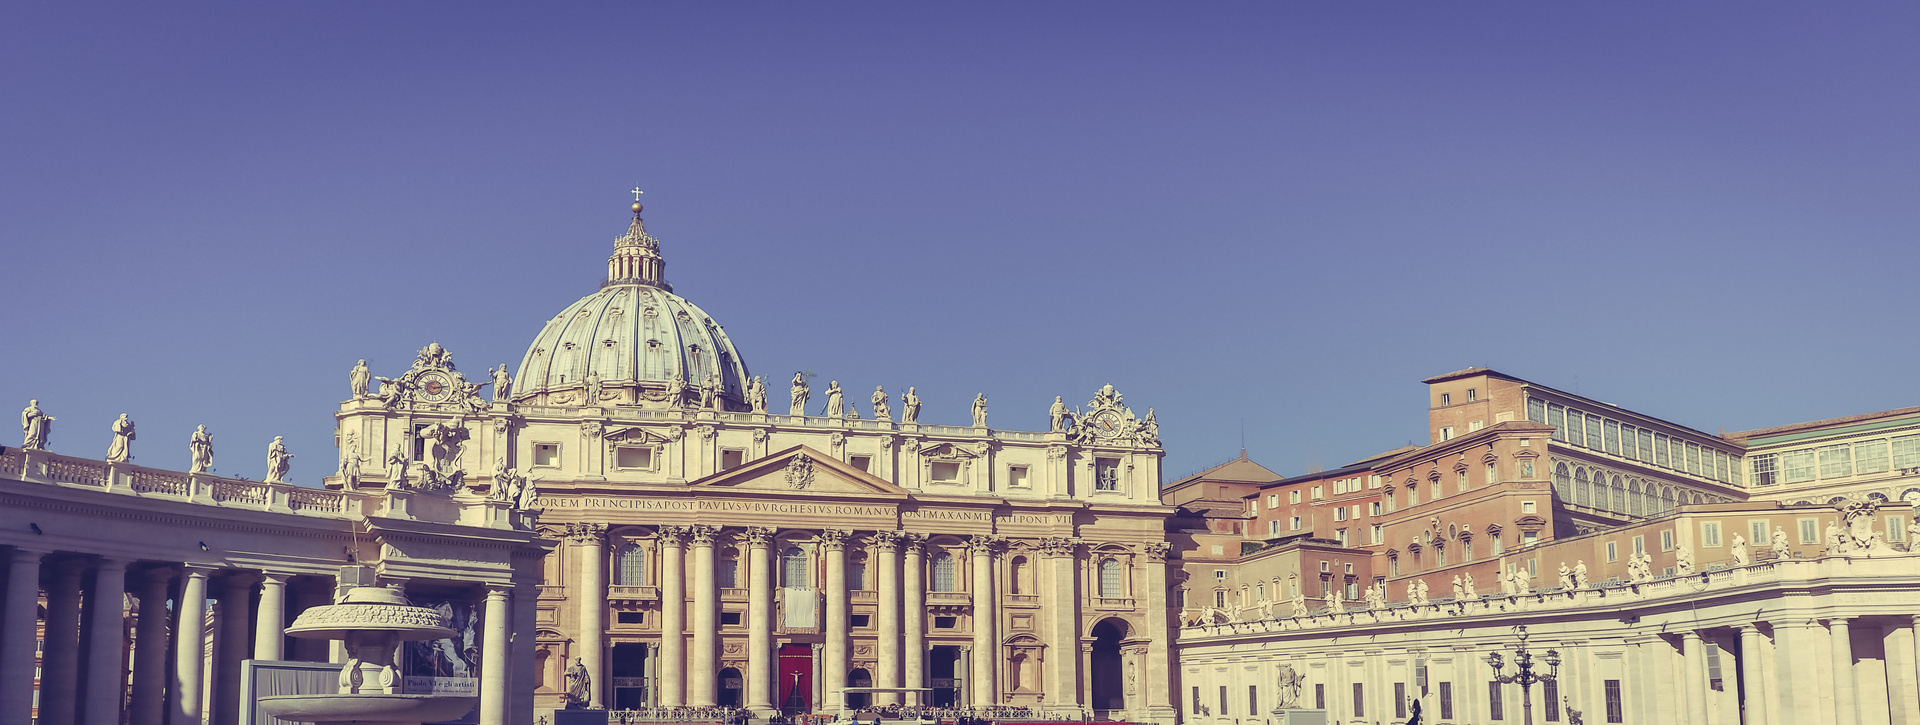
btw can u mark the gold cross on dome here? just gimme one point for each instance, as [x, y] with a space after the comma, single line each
[636, 193]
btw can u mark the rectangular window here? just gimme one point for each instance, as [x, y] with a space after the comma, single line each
[1318, 494]
[1446, 701]
[945, 622]
[1496, 709]
[632, 617]
[732, 458]
[1474, 425]
[1809, 531]
[1273, 528]
[546, 454]
[1764, 473]
[1529, 538]
[1379, 534]
[1870, 457]
[1340, 513]
[1536, 410]
[1446, 399]
[1646, 445]
[1796, 466]
[640, 458]
[1528, 507]
[1294, 523]
[1374, 508]
[1836, 461]
[1017, 477]
[1498, 545]
[1639, 545]
[1106, 474]
[1293, 496]
[732, 619]
[1413, 494]
[1693, 459]
[1223, 701]
[1613, 437]
[1341, 535]
[1400, 700]
[1720, 465]
[1613, 551]
[946, 472]
[1576, 427]
[1660, 451]
[1896, 528]
[1595, 440]
[1359, 700]
[1710, 533]
[1556, 417]
[1629, 442]
[1219, 599]
[1906, 452]
[1446, 434]
[1666, 540]
[1196, 699]
[1253, 698]
[1550, 695]
[1473, 394]
[1758, 533]
[1273, 500]
[1319, 696]
[1492, 475]
[1615, 713]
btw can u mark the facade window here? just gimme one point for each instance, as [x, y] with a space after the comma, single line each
[943, 572]
[1474, 425]
[1809, 531]
[1341, 535]
[632, 571]
[1897, 528]
[1528, 507]
[1219, 598]
[1106, 474]
[1399, 700]
[1536, 410]
[1529, 538]
[1319, 696]
[1196, 699]
[1646, 446]
[1446, 399]
[1293, 496]
[1613, 437]
[1710, 533]
[1581, 492]
[1110, 583]
[1318, 494]
[1273, 500]
[1473, 394]
[949, 472]
[1340, 513]
[1446, 434]
[1660, 451]
[1594, 438]
[1615, 712]
[1019, 477]
[1550, 696]
[793, 568]
[1693, 459]
[1359, 700]
[856, 575]
[633, 457]
[1496, 709]
[1576, 427]
[1666, 540]
[1629, 443]
[1446, 701]
[1466, 550]
[727, 571]
[1379, 534]
[1563, 483]
[1906, 452]
[1393, 564]
[1413, 494]
[1462, 481]
[546, 454]
[1294, 523]
[1613, 551]
[1639, 545]
[1253, 698]
[1223, 701]
[1556, 417]
[1374, 508]
[1836, 461]
[1498, 545]
[1273, 528]
[1870, 457]
[733, 458]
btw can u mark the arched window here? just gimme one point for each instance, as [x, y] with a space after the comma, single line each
[1618, 494]
[1581, 492]
[1110, 584]
[631, 567]
[943, 572]
[793, 568]
[1634, 501]
[857, 575]
[1562, 484]
[1260, 592]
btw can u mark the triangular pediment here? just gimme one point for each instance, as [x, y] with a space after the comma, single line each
[800, 470]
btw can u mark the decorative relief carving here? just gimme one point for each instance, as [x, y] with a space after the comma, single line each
[799, 472]
[985, 543]
[1056, 452]
[837, 440]
[706, 432]
[1156, 550]
[590, 428]
[760, 435]
[353, 616]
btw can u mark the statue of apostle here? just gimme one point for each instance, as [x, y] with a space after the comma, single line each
[359, 378]
[279, 461]
[37, 425]
[836, 403]
[502, 385]
[980, 411]
[579, 686]
[200, 450]
[757, 394]
[881, 410]
[800, 395]
[909, 407]
[1057, 416]
[121, 450]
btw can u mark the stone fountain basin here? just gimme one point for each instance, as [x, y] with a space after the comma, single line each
[367, 709]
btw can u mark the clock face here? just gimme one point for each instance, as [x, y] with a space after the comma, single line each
[435, 387]
[1105, 424]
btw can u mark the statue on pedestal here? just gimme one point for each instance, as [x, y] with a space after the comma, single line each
[1781, 549]
[1467, 583]
[1683, 560]
[397, 466]
[676, 391]
[1459, 589]
[1739, 550]
[502, 385]
[593, 388]
[279, 461]
[1057, 416]
[37, 425]
[1566, 577]
[200, 451]
[980, 411]
[836, 403]
[579, 686]
[757, 395]
[909, 407]
[800, 395]
[881, 409]
[1580, 574]
[121, 449]
[1290, 682]
[358, 378]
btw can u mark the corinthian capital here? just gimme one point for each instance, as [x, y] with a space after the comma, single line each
[585, 533]
[987, 544]
[673, 535]
[886, 541]
[835, 539]
[760, 536]
[703, 534]
[1156, 550]
[1059, 547]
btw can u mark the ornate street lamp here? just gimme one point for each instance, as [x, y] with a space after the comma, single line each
[1523, 674]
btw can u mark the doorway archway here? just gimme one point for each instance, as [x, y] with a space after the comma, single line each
[859, 677]
[730, 687]
[1109, 682]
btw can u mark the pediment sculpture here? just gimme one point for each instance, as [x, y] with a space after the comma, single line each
[1107, 420]
[432, 384]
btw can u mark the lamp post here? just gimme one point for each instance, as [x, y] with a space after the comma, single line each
[1523, 674]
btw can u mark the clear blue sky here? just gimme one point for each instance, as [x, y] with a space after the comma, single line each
[1276, 216]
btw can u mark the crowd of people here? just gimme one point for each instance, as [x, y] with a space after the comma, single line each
[943, 715]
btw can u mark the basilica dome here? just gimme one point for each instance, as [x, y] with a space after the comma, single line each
[634, 342]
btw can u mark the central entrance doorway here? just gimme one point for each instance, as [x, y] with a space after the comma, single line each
[796, 679]
[943, 666]
[730, 684]
[629, 676]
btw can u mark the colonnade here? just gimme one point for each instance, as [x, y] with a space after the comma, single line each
[91, 668]
[689, 656]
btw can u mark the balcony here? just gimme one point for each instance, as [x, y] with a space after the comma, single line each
[1112, 603]
[949, 598]
[632, 593]
[859, 596]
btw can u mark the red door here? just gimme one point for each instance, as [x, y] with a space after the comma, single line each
[795, 688]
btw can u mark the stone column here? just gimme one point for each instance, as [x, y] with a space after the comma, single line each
[1157, 678]
[189, 645]
[833, 662]
[150, 650]
[591, 597]
[1795, 661]
[702, 662]
[60, 655]
[1751, 677]
[493, 657]
[1062, 623]
[673, 616]
[235, 605]
[914, 611]
[985, 648]
[886, 560]
[1898, 643]
[1845, 709]
[18, 634]
[1693, 680]
[523, 667]
[106, 645]
[760, 622]
[270, 622]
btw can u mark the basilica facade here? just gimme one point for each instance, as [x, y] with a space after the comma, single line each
[717, 552]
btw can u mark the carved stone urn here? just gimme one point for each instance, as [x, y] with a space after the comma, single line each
[372, 621]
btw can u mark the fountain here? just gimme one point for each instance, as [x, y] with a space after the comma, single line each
[373, 621]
